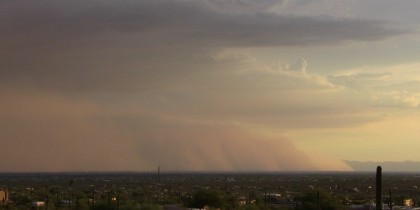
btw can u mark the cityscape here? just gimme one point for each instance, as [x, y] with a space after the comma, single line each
[208, 190]
[209, 104]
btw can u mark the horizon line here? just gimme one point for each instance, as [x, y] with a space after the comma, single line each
[206, 172]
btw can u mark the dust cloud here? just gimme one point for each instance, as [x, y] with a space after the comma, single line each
[46, 131]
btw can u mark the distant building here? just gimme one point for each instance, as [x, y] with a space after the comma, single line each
[67, 202]
[408, 202]
[38, 204]
[4, 196]
[271, 197]
[242, 200]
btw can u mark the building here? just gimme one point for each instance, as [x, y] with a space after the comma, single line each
[4, 196]
[38, 204]
[408, 202]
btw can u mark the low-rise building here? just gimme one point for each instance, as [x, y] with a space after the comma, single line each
[408, 202]
[4, 196]
[38, 204]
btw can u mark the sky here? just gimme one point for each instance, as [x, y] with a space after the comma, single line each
[208, 85]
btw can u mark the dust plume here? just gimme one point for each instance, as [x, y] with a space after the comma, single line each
[46, 131]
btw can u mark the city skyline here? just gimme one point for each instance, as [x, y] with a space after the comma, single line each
[224, 85]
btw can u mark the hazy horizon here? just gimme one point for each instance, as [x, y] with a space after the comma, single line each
[356, 167]
[278, 85]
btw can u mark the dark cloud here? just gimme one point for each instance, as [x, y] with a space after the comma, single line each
[182, 22]
[245, 6]
[129, 44]
[405, 10]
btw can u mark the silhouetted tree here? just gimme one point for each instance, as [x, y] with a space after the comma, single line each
[309, 201]
[209, 198]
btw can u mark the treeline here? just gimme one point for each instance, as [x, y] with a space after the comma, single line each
[139, 200]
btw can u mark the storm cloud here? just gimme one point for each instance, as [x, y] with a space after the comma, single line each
[184, 84]
[108, 45]
[178, 23]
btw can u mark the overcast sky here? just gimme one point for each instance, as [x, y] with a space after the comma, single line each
[245, 85]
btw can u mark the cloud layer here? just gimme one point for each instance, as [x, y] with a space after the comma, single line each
[112, 45]
[184, 83]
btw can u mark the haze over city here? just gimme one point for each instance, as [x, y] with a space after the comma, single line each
[208, 85]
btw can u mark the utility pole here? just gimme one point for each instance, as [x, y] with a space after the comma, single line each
[317, 198]
[379, 188]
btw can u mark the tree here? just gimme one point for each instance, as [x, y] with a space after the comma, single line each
[309, 201]
[210, 198]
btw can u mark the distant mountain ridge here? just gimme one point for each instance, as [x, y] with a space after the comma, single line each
[392, 166]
